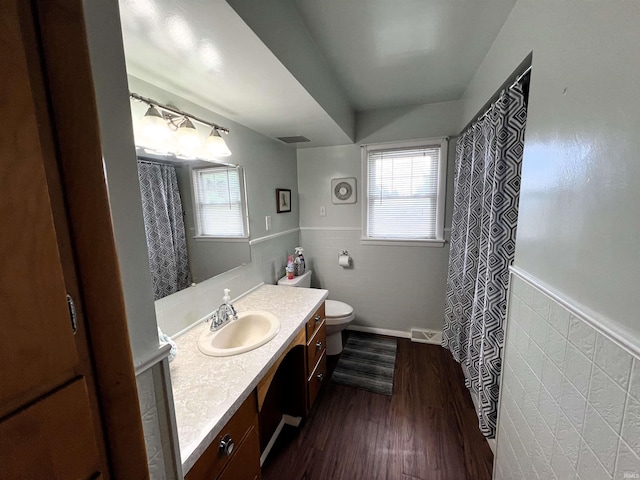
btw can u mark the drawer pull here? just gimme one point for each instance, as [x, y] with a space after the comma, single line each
[317, 319]
[320, 377]
[319, 345]
[226, 445]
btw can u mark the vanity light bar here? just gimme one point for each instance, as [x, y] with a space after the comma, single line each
[176, 111]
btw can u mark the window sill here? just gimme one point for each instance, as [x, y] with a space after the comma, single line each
[401, 243]
[201, 238]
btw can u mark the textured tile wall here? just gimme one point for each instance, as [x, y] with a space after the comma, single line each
[570, 401]
[151, 425]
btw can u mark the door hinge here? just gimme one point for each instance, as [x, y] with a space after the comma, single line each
[72, 314]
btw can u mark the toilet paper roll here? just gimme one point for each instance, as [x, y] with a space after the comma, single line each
[344, 260]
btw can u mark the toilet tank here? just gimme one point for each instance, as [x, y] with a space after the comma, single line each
[303, 281]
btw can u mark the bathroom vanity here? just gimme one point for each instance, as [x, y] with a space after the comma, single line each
[227, 408]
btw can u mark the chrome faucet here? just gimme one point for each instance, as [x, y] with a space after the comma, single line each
[224, 314]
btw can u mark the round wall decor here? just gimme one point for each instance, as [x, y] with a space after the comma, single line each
[343, 190]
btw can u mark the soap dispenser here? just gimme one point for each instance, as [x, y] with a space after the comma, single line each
[226, 298]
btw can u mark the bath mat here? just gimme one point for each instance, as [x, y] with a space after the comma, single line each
[367, 362]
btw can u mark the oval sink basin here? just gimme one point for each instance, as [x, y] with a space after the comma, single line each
[249, 331]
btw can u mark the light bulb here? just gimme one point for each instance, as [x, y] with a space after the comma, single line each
[187, 139]
[216, 146]
[154, 131]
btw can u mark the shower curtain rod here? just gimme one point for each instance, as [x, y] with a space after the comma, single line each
[520, 77]
[495, 96]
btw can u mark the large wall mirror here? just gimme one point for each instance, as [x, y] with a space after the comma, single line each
[196, 220]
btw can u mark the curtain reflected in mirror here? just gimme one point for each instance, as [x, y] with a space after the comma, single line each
[164, 228]
[196, 221]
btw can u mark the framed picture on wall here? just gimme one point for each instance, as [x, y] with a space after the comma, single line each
[283, 200]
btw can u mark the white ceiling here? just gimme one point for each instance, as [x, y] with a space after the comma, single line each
[202, 51]
[384, 53]
[389, 53]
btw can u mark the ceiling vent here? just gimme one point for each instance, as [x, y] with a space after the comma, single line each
[298, 139]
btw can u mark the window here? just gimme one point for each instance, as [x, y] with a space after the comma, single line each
[219, 201]
[404, 192]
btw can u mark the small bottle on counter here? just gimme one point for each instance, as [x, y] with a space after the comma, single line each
[290, 271]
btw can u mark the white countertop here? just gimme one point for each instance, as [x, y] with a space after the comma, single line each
[207, 391]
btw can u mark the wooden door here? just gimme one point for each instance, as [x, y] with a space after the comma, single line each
[56, 402]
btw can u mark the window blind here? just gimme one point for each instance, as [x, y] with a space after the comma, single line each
[218, 198]
[402, 193]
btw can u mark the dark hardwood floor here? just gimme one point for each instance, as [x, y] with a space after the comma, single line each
[427, 429]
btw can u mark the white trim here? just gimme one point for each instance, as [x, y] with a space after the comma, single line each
[492, 444]
[416, 142]
[152, 359]
[380, 331]
[442, 182]
[293, 421]
[340, 229]
[401, 243]
[600, 323]
[285, 420]
[274, 235]
[244, 201]
[200, 238]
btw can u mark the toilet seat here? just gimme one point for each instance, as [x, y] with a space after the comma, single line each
[337, 313]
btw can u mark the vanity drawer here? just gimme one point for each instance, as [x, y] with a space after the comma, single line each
[316, 320]
[213, 460]
[316, 346]
[316, 379]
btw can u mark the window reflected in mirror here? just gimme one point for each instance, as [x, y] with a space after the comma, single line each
[196, 221]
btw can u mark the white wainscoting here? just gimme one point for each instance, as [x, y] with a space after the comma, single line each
[570, 393]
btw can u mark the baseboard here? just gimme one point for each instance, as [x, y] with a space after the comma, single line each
[285, 420]
[492, 444]
[419, 335]
[379, 331]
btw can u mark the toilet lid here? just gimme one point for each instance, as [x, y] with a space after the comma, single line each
[334, 309]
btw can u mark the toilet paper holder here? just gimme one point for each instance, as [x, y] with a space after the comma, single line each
[344, 259]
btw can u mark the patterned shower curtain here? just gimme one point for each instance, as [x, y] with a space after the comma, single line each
[164, 226]
[485, 215]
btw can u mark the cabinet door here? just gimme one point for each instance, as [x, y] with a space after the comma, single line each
[52, 438]
[48, 428]
[38, 344]
[245, 464]
[316, 347]
[316, 379]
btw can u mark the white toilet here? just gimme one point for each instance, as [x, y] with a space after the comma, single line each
[338, 314]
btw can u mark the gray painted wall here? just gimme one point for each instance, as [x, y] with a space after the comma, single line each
[207, 257]
[407, 123]
[389, 287]
[579, 220]
[111, 90]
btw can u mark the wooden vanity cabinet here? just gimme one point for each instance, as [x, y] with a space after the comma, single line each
[242, 462]
[316, 354]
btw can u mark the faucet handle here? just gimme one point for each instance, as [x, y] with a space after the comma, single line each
[213, 318]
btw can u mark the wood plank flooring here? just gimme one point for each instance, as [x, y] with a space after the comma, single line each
[427, 429]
